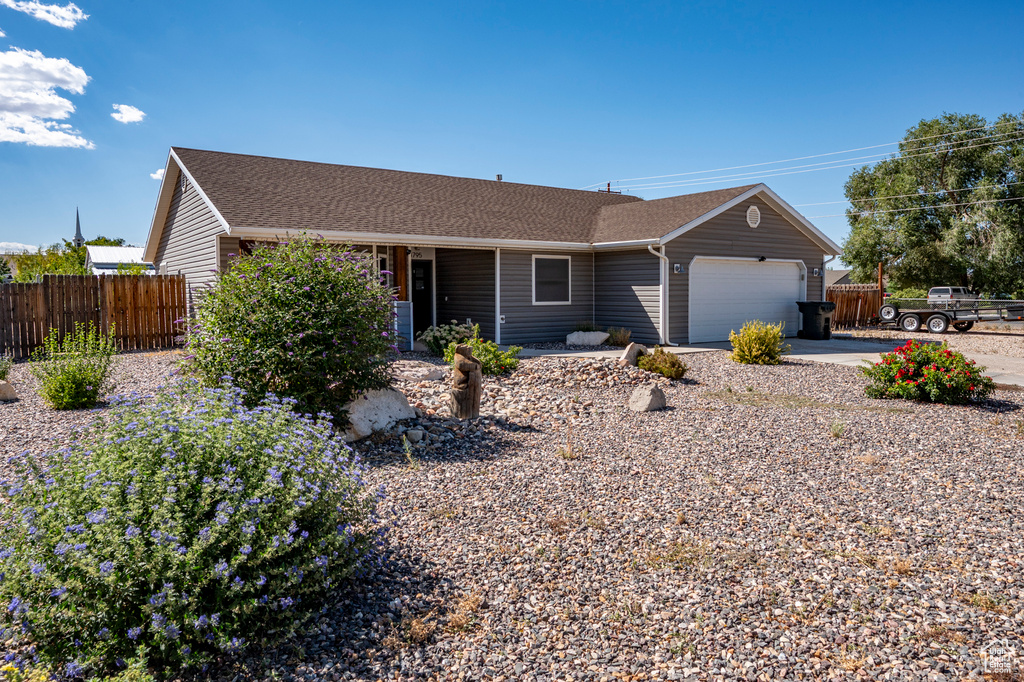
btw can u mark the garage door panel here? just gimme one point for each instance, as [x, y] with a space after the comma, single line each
[726, 293]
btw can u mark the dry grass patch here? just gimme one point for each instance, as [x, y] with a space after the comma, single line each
[983, 601]
[410, 632]
[795, 402]
[679, 555]
[559, 525]
[463, 616]
[941, 633]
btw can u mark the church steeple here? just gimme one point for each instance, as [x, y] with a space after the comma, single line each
[79, 240]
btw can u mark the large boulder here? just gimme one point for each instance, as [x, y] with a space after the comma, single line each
[586, 338]
[376, 411]
[630, 355]
[7, 392]
[647, 398]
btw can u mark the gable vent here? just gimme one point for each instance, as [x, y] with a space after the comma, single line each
[753, 216]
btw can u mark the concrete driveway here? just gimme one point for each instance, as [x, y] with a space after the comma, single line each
[846, 351]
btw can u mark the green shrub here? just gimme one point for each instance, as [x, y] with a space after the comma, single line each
[901, 296]
[928, 372]
[73, 372]
[179, 528]
[759, 343]
[585, 326]
[618, 336]
[6, 362]
[436, 339]
[303, 319]
[493, 359]
[664, 363]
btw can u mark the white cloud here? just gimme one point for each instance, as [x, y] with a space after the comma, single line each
[2, 34]
[29, 105]
[16, 247]
[66, 16]
[158, 175]
[126, 113]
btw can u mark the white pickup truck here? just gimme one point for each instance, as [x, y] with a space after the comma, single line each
[950, 295]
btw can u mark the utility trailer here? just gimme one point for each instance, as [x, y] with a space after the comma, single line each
[915, 314]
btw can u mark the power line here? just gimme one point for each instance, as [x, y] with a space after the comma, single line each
[920, 208]
[797, 158]
[917, 194]
[738, 177]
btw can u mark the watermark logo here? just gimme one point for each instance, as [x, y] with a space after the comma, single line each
[999, 657]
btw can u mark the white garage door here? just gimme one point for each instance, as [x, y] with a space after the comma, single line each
[726, 293]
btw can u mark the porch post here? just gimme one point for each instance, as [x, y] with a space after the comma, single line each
[497, 296]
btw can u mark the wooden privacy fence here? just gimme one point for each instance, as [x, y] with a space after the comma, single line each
[144, 310]
[856, 304]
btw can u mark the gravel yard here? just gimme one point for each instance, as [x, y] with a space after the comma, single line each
[773, 524]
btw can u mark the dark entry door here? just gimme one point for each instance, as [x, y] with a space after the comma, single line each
[422, 294]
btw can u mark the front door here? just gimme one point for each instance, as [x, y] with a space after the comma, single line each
[422, 295]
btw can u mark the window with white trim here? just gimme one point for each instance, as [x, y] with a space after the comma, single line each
[552, 280]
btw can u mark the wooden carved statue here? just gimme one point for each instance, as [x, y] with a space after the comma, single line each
[467, 384]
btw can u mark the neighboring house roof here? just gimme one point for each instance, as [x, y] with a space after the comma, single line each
[105, 259]
[258, 195]
[834, 277]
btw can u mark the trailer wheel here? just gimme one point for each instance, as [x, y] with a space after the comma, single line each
[888, 312]
[911, 322]
[938, 324]
[963, 326]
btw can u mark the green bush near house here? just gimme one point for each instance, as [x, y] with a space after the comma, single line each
[494, 360]
[73, 372]
[928, 372]
[6, 362]
[303, 319]
[759, 344]
[438, 338]
[664, 363]
[177, 529]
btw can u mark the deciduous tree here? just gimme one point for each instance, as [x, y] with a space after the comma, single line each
[947, 209]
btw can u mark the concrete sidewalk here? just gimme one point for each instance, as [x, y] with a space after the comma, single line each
[838, 351]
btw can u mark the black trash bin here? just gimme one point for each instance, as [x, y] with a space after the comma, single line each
[817, 319]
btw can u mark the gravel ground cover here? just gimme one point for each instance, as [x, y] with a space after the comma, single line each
[773, 524]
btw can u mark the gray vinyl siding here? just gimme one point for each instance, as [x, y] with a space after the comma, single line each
[188, 245]
[228, 250]
[627, 289]
[528, 323]
[465, 287]
[729, 235]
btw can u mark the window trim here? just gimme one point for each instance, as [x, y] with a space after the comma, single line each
[533, 279]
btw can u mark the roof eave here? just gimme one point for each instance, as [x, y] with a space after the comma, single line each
[344, 236]
[163, 204]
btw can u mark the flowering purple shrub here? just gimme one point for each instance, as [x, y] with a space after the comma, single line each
[180, 527]
[303, 319]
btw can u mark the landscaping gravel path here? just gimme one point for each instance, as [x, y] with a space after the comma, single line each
[773, 524]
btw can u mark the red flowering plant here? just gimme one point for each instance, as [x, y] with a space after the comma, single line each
[927, 371]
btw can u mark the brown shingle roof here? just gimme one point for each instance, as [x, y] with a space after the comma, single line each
[257, 191]
[656, 218]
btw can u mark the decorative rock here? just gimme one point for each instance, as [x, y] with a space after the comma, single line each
[7, 392]
[630, 355]
[586, 338]
[376, 411]
[415, 435]
[647, 398]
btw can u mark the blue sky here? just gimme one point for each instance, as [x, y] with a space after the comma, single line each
[554, 93]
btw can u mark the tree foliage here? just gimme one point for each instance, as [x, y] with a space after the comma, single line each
[948, 209]
[57, 259]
